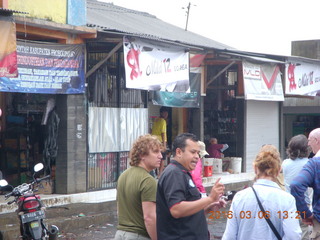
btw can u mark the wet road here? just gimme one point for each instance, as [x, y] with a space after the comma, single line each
[216, 226]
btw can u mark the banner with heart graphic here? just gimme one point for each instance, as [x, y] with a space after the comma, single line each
[156, 66]
[302, 78]
[262, 81]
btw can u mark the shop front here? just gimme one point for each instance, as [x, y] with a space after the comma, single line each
[301, 112]
[242, 106]
[43, 110]
[125, 97]
[34, 107]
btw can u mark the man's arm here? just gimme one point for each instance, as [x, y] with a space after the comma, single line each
[299, 185]
[149, 216]
[188, 208]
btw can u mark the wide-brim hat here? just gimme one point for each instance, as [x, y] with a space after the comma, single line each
[203, 151]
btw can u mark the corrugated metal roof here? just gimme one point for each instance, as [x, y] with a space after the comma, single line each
[108, 17]
[6, 10]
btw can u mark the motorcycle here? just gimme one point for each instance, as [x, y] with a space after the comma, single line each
[30, 210]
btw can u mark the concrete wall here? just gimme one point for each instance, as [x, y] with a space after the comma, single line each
[71, 163]
[43, 9]
[308, 49]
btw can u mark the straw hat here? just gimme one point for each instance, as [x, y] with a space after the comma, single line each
[203, 151]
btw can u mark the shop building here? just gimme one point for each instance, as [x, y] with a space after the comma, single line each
[47, 74]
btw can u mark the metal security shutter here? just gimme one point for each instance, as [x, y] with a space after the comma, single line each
[262, 127]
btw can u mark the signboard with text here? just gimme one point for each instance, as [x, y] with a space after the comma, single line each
[155, 66]
[302, 78]
[47, 68]
[262, 81]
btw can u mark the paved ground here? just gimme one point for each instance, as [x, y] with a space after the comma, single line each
[106, 231]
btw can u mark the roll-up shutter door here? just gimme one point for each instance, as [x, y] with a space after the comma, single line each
[262, 127]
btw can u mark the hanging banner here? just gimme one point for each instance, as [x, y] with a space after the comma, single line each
[115, 129]
[179, 99]
[8, 51]
[47, 68]
[302, 78]
[155, 66]
[262, 81]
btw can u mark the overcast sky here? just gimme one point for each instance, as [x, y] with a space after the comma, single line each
[248, 25]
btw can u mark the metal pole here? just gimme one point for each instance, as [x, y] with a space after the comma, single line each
[187, 15]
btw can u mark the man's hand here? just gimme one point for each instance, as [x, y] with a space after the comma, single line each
[308, 220]
[215, 206]
[216, 191]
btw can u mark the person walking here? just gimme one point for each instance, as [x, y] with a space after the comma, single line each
[309, 177]
[298, 152]
[248, 220]
[136, 191]
[180, 208]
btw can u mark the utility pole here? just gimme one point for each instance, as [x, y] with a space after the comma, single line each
[188, 11]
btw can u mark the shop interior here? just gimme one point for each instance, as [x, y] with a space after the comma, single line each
[220, 108]
[23, 132]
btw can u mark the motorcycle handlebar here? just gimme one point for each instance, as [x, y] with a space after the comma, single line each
[43, 178]
[17, 191]
[8, 195]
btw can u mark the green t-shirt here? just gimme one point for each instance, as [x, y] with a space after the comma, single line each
[135, 185]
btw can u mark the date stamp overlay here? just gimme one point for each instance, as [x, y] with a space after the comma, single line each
[258, 215]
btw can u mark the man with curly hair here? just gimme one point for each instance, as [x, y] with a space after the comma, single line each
[136, 191]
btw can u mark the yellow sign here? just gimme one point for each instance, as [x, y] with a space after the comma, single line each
[55, 11]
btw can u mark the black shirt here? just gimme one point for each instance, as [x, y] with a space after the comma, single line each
[175, 185]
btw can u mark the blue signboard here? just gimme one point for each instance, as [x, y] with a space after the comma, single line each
[48, 68]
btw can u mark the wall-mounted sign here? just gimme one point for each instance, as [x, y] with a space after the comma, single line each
[47, 68]
[262, 81]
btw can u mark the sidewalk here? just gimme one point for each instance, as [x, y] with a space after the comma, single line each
[232, 182]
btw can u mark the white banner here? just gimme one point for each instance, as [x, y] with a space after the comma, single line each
[160, 67]
[302, 78]
[262, 81]
[115, 129]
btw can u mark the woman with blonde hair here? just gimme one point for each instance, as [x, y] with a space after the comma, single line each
[264, 211]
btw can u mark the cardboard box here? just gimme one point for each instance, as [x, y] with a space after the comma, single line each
[14, 143]
[45, 187]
